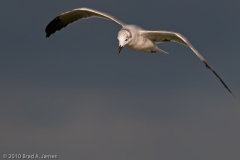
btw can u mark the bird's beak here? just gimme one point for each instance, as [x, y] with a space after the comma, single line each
[119, 49]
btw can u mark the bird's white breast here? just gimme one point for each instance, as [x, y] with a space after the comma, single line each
[142, 44]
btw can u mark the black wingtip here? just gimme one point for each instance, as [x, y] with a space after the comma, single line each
[53, 26]
[209, 67]
[231, 93]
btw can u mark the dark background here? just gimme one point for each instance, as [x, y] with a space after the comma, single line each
[71, 95]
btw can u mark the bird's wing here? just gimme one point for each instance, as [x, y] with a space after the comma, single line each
[69, 17]
[165, 36]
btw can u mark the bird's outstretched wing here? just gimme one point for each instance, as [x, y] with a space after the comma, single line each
[69, 17]
[165, 36]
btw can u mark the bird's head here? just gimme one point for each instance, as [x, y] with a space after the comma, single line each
[124, 38]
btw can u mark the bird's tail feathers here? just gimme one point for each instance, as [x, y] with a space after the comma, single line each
[162, 51]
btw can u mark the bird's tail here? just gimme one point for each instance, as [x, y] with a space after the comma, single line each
[162, 51]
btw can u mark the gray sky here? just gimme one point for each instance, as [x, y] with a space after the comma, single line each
[71, 95]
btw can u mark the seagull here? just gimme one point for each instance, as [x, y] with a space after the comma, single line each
[132, 36]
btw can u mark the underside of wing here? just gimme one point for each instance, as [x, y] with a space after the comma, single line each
[166, 36]
[71, 16]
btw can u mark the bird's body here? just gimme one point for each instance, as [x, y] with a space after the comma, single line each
[131, 36]
[140, 43]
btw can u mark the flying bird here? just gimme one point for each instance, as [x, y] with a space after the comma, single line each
[131, 36]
